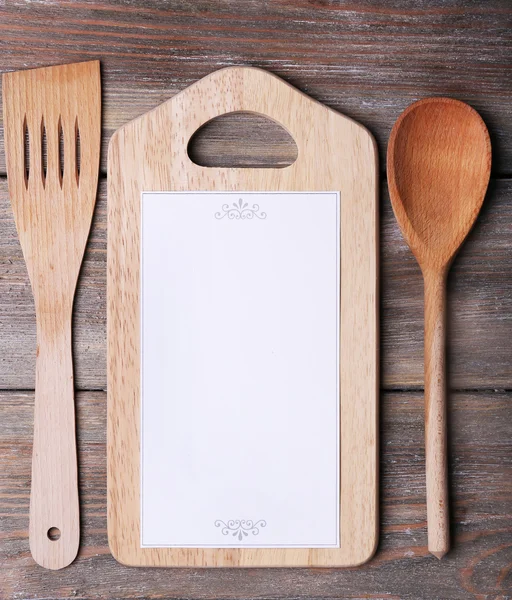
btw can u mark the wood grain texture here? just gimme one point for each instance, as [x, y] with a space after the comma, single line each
[479, 293]
[367, 59]
[53, 200]
[480, 434]
[335, 154]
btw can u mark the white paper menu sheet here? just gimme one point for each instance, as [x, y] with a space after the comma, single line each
[240, 307]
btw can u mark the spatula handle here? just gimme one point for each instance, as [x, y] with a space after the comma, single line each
[54, 509]
[435, 413]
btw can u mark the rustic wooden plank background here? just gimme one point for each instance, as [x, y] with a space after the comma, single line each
[369, 59]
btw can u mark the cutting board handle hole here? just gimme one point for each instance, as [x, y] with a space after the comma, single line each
[53, 534]
[242, 139]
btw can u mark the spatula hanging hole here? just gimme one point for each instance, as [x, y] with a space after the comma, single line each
[61, 151]
[77, 151]
[53, 534]
[44, 152]
[26, 151]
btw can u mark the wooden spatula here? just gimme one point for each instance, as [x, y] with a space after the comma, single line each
[439, 163]
[52, 121]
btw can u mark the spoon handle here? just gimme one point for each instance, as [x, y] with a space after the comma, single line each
[435, 413]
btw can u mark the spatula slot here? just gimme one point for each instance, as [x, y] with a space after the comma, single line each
[77, 151]
[44, 152]
[26, 152]
[61, 151]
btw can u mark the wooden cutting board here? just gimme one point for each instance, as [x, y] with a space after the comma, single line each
[335, 155]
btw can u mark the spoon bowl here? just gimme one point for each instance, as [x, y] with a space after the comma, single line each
[439, 164]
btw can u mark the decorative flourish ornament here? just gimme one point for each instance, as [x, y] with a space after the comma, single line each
[240, 528]
[240, 210]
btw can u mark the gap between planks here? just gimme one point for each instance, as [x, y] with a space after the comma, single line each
[382, 176]
[382, 390]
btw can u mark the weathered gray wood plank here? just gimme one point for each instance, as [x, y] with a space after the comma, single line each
[481, 494]
[367, 59]
[17, 314]
[480, 304]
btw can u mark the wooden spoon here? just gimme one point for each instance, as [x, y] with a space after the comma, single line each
[439, 163]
